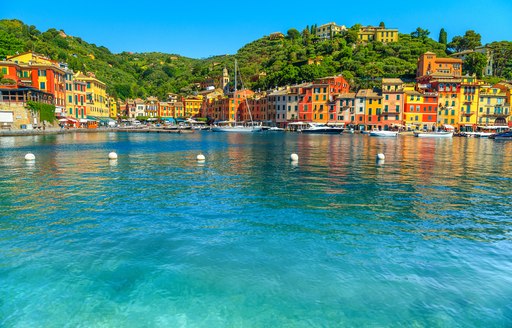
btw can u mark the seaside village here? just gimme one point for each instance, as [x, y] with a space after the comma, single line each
[439, 97]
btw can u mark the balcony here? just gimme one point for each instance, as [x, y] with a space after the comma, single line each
[496, 115]
[467, 113]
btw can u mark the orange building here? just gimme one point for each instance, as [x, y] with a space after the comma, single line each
[337, 84]
[429, 64]
[41, 73]
[320, 102]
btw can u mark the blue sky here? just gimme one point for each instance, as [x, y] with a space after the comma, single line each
[201, 29]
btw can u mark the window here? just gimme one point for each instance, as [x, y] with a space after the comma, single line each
[42, 85]
[4, 70]
[387, 96]
[386, 108]
[397, 97]
[397, 108]
[70, 99]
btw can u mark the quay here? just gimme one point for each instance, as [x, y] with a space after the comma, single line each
[52, 131]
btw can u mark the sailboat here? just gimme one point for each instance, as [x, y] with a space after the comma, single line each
[238, 127]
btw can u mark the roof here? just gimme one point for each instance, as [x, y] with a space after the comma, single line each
[279, 92]
[368, 93]
[450, 60]
[346, 95]
[392, 81]
[413, 93]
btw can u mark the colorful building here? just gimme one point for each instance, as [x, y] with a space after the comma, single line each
[42, 73]
[329, 30]
[113, 107]
[305, 92]
[469, 99]
[493, 108]
[345, 105]
[392, 104]
[377, 33]
[151, 107]
[96, 95]
[420, 110]
[192, 105]
[430, 64]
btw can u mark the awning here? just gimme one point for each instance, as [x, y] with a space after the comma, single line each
[448, 127]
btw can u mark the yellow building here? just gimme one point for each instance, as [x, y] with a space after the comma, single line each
[31, 58]
[373, 109]
[96, 95]
[113, 107]
[493, 108]
[192, 105]
[412, 108]
[469, 100]
[75, 96]
[381, 34]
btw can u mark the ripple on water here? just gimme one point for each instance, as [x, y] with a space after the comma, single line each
[247, 239]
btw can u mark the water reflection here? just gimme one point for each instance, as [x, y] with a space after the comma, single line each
[337, 222]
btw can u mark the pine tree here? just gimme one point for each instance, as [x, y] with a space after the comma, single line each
[443, 37]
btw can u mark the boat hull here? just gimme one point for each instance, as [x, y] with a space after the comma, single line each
[433, 134]
[385, 134]
[323, 131]
[237, 129]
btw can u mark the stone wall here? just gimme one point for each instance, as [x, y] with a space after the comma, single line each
[21, 115]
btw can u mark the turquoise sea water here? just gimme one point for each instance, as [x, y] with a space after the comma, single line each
[248, 239]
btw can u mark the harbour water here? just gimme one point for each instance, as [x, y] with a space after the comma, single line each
[249, 239]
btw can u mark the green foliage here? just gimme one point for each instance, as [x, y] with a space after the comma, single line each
[4, 81]
[443, 37]
[46, 111]
[502, 58]
[284, 61]
[474, 63]
[420, 33]
[469, 41]
[293, 34]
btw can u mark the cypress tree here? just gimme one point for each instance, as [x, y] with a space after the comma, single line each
[443, 37]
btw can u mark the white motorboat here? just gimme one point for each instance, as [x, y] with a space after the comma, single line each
[434, 134]
[275, 129]
[382, 133]
[236, 128]
[316, 128]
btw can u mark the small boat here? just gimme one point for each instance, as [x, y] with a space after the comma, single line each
[275, 129]
[316, 128]
[382, 133]
[507, 135]
[434, 134]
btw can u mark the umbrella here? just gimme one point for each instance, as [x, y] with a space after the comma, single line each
[63, 120]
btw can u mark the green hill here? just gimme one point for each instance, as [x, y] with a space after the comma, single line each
[274, 62]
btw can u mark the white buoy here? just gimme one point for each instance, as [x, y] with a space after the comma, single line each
[30, 157]
[294, 157]
[381, 157]
[112, 155]
[200, 158]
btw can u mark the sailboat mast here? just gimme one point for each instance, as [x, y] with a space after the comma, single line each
[235, 114]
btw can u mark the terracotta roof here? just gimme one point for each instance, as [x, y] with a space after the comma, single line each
[392, 81]
[450, 60]
[346, 95]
